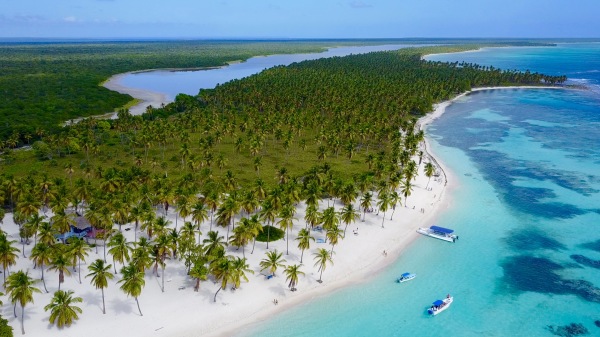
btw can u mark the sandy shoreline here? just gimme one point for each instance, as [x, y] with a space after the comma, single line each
[183, 312]
[146, 97]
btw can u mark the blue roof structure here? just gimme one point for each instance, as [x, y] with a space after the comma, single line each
[442, 229]
[405, 274]
[438, 303]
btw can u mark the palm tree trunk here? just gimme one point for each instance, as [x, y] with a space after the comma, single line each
[268, 235]
[287, 249]
[383, 220]
[364, 214]
[254, 244]
[15, 309]
[197, 286]
[79, 271]
[321, 276]
[138, 304]
[215, 299]
[163, 277]
[103, 306]
[44, 281]
[22, 318]
[301, 255]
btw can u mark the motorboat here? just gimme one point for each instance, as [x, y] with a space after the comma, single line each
[440, 305]
[439, 233]
[406, 277]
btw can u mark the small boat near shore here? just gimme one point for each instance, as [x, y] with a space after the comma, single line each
[406, 277]
[440, 305]
[439, 233]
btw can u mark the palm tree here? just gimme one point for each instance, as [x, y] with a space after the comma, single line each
[330, 218]
[199, 272]
[60, 262]
[322, 257]
[213, 243]
[365, 203]
[119, 249]
[62, 221]
[62, 310]
[41, 255]
[8, 254]
[292, 272]
[199, 214]
[333, 235]
[46, 233]
[222, 270]
[312, 216]
[394, 201]
[140, 257]
[406, 189]
[20, 288]
[240, 268]
[384, 204]
[132, 283]
[255, 229]
[34, 222]
[100, 273]
[78, 251]
[429, 171]
[287, 222]
[272, 261]
[242, 235]
[304, 238]
[268, 214]
[349, 214]
[162, 248]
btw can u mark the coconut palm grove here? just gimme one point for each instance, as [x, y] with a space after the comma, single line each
[94, 201]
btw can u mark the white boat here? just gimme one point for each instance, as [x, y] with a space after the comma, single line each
[440, 305]
[406, 277]
[439, 233]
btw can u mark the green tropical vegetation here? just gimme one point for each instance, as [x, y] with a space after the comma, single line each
[63, 312]
[43, 85]
[338, 135]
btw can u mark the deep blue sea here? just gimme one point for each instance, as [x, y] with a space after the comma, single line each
[527, 209]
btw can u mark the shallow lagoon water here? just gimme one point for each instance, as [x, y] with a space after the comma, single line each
[527, 210]
[190, 82]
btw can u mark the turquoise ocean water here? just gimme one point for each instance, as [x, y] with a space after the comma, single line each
[527, 211]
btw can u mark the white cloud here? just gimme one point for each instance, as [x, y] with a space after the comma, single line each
[70, 19]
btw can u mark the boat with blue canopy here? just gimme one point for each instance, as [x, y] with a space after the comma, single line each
[440, 305]
[406, 277]
[438, 232]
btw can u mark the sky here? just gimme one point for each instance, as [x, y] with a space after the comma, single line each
[232, 19]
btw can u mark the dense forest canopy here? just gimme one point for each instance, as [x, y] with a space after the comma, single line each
[343, 112]
[43, 85]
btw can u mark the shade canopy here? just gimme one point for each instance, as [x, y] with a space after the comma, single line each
[405, 274]
[438, 303]
[442, 229]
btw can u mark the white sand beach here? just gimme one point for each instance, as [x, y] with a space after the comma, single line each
[146, 97]
[180, 311]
